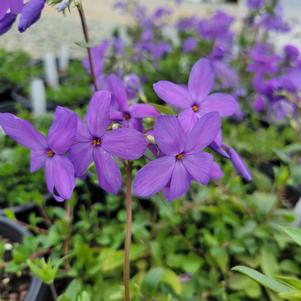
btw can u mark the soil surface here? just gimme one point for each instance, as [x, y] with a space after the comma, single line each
[13, 287]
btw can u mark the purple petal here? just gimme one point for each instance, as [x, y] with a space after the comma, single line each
[16, 6]
[83, 134]
[204, 132]
[201, 80]
[59, 174]
[125, 143]
[22, 132]
[116, 115]
[30, 13]
[63, 130]
[199, 166]
[116, 86]
[173, 94]
[108, 172]
[224, 104]
[154, 176]
[4, 6]
[37, 160]
[143, 110]
[81, 156]
[169, 135]
[180, 182]
[98, 117]
[216, 172]
[188, 119]
[6, 22]
[239, 164]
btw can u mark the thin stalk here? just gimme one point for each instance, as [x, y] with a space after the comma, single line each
[53, 292]
[128, 235]
[87, 40]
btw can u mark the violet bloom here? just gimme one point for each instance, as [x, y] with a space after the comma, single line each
[133, 85]
[255, 4]
[98, 57]
[9, 10]
[239, 164]
[6, 22]
[95, 143]
[48, 152]
[216, 27]
[182, 157]
[194, 99]
[30, 14]
[189, 45]
[263, 60]
[291, 53]
[129, 115]
[273, 21]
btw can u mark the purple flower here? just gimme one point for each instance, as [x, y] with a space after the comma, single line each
[182, 157]
[129, 115]
[259, 103]
[273, 21]
[133, 85]
[216, 27]
[187, 24]
[239, 164]
[30, 14]
[98, 57]
[48, 153]
[189, 44]
[95, 143]
[255, 4]
[194, 100]
[60, 7]
[263, 59]
[13, 6]
[291, 53]
[6, 22]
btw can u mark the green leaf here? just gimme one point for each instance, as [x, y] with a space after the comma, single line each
[294, 233]
[292, 295]
[264, 280]
[292, 281]
[84, 296]
[151, 280]
[46, 271]
[163, 109]
[268, 262]
[242, 283]
[172, 279]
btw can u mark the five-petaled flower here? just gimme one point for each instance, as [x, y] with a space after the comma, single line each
[50, 152]
[95, 143]
[130, 115]
[182, 159]
[194, 100]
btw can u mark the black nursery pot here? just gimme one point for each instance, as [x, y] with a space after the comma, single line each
[15, 233]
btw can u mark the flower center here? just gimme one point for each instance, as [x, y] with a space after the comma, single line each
[96, 141]
[50, 153]
[195, 108]
[180, 156]
[127, 116]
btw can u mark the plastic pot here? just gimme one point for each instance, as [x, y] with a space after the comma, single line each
[15, 233]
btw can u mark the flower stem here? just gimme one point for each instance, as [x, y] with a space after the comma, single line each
[128, 236]
[87, 40]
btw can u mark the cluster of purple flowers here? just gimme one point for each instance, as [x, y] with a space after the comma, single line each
[113, 129]
[29, 12]
[276, 80]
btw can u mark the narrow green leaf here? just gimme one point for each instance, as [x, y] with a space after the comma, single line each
[294, 233]
[264, 280]
[292, 281]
